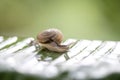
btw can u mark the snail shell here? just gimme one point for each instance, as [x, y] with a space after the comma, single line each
[51, 39]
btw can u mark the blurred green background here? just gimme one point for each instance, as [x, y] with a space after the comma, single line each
[80, 19]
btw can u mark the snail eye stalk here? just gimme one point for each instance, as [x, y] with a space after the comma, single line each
[51, 39]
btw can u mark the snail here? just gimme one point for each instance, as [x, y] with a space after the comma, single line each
[52, 39]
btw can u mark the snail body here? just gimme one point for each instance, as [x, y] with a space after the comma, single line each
[51, 39]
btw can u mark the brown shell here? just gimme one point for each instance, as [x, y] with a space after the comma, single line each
[51, 40]
[50, 35]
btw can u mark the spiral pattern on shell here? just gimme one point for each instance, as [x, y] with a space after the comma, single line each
[51, 39]
[50, 35]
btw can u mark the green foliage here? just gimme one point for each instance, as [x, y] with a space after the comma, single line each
[86, 19]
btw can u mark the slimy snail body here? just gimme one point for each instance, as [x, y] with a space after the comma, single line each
[51, 39]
